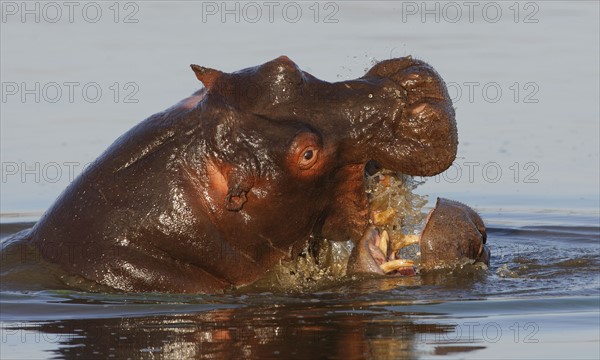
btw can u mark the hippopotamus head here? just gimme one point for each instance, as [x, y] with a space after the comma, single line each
[216, 190]
[288, 151]
[453, 232]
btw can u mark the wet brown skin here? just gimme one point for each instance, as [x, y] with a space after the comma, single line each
[453, 234]
[216, 190]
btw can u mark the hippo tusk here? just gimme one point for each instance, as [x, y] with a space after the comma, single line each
[383, 217]
[383, 242]
[405, 241]
[390, 266]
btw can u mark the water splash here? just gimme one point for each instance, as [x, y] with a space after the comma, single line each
[396, 208]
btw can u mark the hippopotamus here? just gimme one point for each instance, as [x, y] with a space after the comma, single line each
[213, 192]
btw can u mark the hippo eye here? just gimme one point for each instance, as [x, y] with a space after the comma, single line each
[304, 153]
[309, 157]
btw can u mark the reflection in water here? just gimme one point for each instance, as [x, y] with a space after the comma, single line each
[261, 332]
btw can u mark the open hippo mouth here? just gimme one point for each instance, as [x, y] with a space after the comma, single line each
[452, 233]
[392, 209]
[374, 254]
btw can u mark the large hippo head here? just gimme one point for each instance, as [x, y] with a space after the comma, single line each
[215, 191]
[290, 149]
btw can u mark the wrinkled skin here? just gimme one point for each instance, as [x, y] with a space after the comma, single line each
[216, 190]
[453, 234]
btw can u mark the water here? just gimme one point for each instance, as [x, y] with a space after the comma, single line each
[539, 299]
[528, 162]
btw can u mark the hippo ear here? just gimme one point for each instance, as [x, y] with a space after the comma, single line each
[207, 76]
[238, 186]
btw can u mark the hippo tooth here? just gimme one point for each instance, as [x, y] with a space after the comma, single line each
[404, 241]
[384, 217]
[383, 242]
[395, 264]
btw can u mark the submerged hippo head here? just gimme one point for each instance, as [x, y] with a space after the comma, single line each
[215, 191]
[453, 234]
